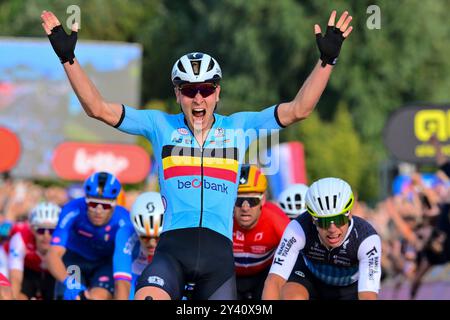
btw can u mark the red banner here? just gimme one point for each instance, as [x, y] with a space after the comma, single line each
[76, 161]
[9, 149]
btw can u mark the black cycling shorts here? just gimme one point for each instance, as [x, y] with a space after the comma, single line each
[37, 284]
[251, 287]
[317, 289]
[197, 255]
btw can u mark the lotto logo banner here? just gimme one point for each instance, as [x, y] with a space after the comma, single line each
[409, 129]
[76, 161]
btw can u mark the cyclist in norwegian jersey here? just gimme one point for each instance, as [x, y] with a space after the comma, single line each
[30, 242]
[5, 288]
[199, 154]
[257, 230]
[82, 247]
[292, 200]
[135, 245]
[326, 254]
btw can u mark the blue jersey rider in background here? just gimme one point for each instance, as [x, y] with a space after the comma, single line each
[80, 257]
[135, 245]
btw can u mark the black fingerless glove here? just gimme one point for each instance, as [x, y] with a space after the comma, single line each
[63, 44]
[330, 45]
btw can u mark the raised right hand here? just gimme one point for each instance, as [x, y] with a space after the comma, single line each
[62, 43]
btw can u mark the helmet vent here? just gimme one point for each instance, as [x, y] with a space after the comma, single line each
[320, 203]
[211, 65]
[349, 203]
[328, 203]
[151, 222]
[161, 219]
[139, 220]
[196, 67]
[334, 201]
[181, 67]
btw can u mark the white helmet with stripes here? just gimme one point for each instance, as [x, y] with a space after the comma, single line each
[329, 197]
[45, 214]
[196, 67]
[292, 199]
[147, 214]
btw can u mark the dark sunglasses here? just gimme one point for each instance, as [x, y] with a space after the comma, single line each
[104, 206]
[252, 201]
[325, 223]
[146, 238]
[205, 89]
[41, 231]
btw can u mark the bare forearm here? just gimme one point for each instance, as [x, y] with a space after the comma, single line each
[87, 93]
[122, 290]
[16, 278]
[307, 97]
[56, 266]
[309, 94]
[272, 287]
[367, 295]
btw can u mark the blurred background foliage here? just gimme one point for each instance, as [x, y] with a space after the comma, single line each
[267, 49]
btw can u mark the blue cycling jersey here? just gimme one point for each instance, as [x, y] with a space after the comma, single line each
[76, 233]
[199, 184]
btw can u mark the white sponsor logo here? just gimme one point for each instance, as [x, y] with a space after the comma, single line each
[300, 274]
[156, 280]
[85, 163]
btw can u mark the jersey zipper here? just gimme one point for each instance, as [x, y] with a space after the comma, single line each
[201, 191]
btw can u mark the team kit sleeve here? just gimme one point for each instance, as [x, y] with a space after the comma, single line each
[139, 122]
[265, 119]
[288, 250]
[17, 252]
[369, 256]
[65, 222]
[123, 250]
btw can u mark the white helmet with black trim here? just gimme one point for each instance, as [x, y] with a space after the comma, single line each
[196, 67]
[329, 197]
[292, 199]
[45, 214]
[147, 214]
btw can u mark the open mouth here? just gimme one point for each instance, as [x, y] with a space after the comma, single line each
[198, 114]
[333, 239]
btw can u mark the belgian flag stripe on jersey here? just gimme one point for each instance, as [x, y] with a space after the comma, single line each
[186, 161]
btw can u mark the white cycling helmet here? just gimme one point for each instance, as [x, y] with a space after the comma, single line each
[196, 67]
[147, 214]
[329, 197]
[45, 214]
[292, 199]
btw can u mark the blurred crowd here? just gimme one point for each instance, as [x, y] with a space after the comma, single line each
[414, 224]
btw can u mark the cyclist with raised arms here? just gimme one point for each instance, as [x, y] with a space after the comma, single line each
[327, 254]
[135, 245]
[292, 200]
[257, 229]
[83, 243]
[29, 244]
[199, 154]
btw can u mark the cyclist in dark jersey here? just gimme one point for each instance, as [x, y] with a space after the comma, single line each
[326, 254]
[199, 154]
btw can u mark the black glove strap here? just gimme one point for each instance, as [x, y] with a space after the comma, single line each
[330, 45]
[63, 44]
